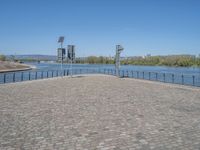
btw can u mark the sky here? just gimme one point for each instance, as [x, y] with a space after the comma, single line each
[156, 27]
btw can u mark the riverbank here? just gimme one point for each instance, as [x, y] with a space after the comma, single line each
[168, 60]
[98, 112]
[6, 66]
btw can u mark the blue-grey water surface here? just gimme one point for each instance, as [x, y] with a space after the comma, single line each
[159, 69]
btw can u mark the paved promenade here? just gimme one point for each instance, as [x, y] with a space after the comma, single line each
[99, 112]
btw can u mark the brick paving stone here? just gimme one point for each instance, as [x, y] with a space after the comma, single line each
[99, 112]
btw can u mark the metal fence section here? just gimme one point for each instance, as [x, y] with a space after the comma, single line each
[183, 79]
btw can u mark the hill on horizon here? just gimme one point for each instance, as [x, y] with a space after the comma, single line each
[34, 57]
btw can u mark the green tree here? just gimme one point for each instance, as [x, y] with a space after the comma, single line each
[2, 57]
[197, 62]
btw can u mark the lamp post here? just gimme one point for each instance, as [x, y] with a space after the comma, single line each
[119, 49]
[71, 56]
[61, 52]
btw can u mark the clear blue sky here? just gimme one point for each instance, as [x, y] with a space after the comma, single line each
[158, 27]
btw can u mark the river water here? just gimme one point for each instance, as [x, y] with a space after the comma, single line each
[160, 69]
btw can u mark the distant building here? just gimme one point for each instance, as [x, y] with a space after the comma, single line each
[145, 56]
[61, 54]
[71, 53]
[148, 55]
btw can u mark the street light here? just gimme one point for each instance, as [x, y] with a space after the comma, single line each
[119, 49]
[71, 56]
[61, 52]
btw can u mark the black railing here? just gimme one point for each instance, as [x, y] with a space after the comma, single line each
[191, 80]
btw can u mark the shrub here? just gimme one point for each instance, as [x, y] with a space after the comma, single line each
[2, 57]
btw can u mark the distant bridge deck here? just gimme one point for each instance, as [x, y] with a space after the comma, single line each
[99, 112]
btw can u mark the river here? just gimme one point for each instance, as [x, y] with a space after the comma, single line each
[160, 69]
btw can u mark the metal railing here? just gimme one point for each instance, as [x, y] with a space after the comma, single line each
[183, 79]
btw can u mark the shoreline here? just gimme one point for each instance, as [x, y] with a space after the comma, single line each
[25, 67]
[15, 70]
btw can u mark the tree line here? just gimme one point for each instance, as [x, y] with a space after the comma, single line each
[173, 60]
[179, 60]
[95, 60]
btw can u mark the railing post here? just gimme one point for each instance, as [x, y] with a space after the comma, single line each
[123, 73]
[4, 78]
[64, 72]
[29, 75]
[164, 77]
[143, 74]
[172, 78]
[127, 73]
[42, 74]
[14, 77]
[52, 73]
[36, 75]
[137, 74]
[22, 76]
[56, 72]
[132, 73]
[182, 77]
[47, 74]
[156, 76]
[193, 80]
[149, 75]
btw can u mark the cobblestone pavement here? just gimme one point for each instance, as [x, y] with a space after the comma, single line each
[99, 112]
